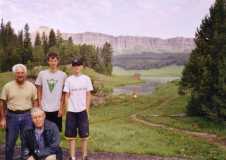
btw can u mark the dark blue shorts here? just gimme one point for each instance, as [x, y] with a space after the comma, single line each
[77, 124]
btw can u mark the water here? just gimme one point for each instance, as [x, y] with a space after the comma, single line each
[143, 89]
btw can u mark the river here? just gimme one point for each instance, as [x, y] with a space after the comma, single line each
[145, 88]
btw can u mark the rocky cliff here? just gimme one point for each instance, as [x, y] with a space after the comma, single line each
[132, 44]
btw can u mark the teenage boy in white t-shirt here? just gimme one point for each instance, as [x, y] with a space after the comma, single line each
[50, 84]
[77, 99]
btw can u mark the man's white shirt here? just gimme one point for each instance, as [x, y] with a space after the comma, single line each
[52, 86]
[77, 87]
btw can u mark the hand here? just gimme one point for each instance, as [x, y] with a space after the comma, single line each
[61, 112]
[3, 123]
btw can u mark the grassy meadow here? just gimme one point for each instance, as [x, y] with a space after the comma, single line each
[169, 71]
[113, 129]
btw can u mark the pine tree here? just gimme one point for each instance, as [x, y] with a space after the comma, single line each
[70, 40]
[20, 46]
[27, 55]
[20, 38]
[106, 54]
[2, 28]
[9, 47]
[38, 40]
[88, 55]
[45, 44]
[205, 74]
[38, 51]
[52, 39]
[99, 66]
[59, 39]
[38, 55]
[1, 44]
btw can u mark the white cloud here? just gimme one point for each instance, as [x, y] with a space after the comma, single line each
[164, 18]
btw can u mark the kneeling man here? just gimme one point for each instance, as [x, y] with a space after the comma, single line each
[42, 141]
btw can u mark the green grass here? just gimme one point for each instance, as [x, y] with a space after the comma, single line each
[170, 71]
[124, 136]
[176, 104]
[5, 77]
[112, 129]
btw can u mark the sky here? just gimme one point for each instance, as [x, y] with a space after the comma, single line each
[152, 18]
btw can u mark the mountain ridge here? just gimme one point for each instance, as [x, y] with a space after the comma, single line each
[130, 44]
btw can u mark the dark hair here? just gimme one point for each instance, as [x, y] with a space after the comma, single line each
[53, 55]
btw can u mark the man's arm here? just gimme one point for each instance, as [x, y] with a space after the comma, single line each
[39, 94]
[88, 100]
[88, 94]
[2, 114]
[62, 105]
[66, 94]
[62, 100]
[35, 103]
[66, 98]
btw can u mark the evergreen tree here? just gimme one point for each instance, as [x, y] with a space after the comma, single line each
[88, 55]
[20, 38]
[9, 47]
[99, 66]
[2, 28]
[38, 51]
[27, 55]
[205, 74]
[52, 38]
[45, 44]
[38, 55]
[68, 51]
[2, 33]
[59, 39]
[107, 58]
[38, 40]
[20, 46]
[1, 60]
[70, 40]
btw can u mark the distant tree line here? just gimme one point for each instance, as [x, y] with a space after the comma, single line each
[150, 60]
[18, 48]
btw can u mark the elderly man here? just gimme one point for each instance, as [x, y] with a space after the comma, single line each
[19, 96]
[41, 142]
